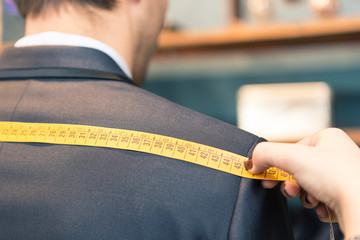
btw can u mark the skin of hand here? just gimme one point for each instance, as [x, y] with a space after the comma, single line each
[326, 167]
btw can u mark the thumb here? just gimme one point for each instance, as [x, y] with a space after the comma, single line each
[288, 157]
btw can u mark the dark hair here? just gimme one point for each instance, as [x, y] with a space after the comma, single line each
[34, 7]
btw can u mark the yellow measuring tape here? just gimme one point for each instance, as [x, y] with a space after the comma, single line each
[69, 134]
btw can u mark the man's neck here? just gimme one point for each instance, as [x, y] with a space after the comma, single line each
[93, 23]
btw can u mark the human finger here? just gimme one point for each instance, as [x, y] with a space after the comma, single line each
[308, 201]
[288, 157]
[290, 189]
[269, 184]
[325, 214]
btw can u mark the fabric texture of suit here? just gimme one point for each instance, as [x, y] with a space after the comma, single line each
[71, 192]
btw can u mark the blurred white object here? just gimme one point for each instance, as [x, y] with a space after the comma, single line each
[261, 9]
[284, 112]
[325, 7]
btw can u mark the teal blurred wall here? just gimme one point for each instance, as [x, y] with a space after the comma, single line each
[210, 85]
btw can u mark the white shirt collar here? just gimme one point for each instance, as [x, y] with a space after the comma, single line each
[65, 39]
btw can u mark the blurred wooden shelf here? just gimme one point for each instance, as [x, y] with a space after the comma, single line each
[239, 35]
[245, 35]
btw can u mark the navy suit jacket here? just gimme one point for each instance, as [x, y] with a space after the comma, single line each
[72, 192]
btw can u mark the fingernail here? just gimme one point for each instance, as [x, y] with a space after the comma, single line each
[248, 164]
[284, 191]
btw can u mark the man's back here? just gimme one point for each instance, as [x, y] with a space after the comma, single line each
[72, 192]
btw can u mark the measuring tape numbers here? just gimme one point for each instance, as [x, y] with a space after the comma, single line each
[82, 135]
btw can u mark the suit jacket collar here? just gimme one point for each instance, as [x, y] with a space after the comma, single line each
[58, 56]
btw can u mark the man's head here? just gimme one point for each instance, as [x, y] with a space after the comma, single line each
[129, 26]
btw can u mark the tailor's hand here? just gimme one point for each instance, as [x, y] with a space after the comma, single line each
[326, 167]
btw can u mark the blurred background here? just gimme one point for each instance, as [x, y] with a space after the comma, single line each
[279, 68]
